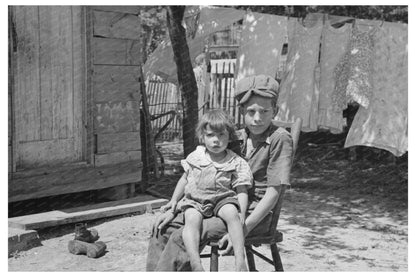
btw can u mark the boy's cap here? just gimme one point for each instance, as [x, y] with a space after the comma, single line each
[261, 85]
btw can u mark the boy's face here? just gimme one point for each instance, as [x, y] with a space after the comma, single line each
[258, 114]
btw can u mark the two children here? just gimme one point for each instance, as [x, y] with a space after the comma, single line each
[268, 151]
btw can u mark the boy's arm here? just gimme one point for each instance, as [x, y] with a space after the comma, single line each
[262, 209]
[278, 171]
[242, 197]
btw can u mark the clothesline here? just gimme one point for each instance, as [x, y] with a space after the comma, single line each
[344, 20]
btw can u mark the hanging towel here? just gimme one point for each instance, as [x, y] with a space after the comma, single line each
[333, 46]
[384, 123]
[297, 89]
[261, 43]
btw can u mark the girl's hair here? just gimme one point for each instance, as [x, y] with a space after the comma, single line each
[218, 121]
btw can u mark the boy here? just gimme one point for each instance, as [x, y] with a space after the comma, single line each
[268, 151]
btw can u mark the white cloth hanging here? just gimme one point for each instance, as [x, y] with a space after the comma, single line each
[297, 97]
[262, 39]
[333, 46]
[384, 123]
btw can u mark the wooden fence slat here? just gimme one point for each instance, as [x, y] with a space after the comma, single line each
[165, 109]
[159, 110]
[157, 104]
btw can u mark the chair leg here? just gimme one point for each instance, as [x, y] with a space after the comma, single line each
[214, 259]
[250, 259]
[276, 257]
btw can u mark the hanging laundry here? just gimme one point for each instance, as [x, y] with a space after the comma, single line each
[261, 43]
[354, 75]
[213, 19]
[202, 82]
[296, 99]
[367, 24]
[333, 46]
[384, 123]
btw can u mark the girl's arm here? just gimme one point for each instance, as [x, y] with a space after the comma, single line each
[177, 194]
[264, 206]
[242, 197]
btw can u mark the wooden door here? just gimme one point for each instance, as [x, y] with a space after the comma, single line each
[48, 66]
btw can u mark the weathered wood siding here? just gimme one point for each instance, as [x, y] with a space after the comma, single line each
[74, 99]
[48, 88]
[116, 87]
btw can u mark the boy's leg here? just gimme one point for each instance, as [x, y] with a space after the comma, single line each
[174, 256]
[160, 246]
[191, 237]
[229, 214]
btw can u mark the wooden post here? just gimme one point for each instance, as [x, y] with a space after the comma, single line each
[151, 160]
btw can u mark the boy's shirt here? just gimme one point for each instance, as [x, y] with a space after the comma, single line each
[270, 161]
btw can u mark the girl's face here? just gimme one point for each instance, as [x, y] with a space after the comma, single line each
[216, 142]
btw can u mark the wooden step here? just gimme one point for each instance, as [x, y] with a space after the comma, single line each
[139, 204]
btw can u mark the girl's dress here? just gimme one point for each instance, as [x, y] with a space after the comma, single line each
[210, 183]
[333, 46]
[384, 123]
[297, 97]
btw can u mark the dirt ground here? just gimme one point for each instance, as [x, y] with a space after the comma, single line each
[339, 215]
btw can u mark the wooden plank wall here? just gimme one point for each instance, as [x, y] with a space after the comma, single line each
[47, 85]
[110, 66]
[116, 89]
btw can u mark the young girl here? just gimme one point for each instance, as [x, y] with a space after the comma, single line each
[215, 182]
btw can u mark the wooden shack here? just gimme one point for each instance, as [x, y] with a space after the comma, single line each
[74, 99]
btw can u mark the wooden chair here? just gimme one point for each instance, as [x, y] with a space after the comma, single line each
[272, 236]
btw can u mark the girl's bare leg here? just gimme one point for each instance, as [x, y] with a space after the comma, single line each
[229, 214]
[191, 237]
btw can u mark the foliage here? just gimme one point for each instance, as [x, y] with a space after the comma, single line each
[153, 22]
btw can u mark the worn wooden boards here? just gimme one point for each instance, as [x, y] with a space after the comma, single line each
[116, 83]
[116, 51]
[75, 99]
[48, 91]
[139, 204]
[117, 142]
[116, 87]
[116, 25]
[73, 179]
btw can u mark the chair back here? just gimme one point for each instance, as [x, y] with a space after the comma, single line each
[295, 128]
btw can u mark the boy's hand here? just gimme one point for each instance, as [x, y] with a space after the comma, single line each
[225, 240]
[162, 220]
[170, 205]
